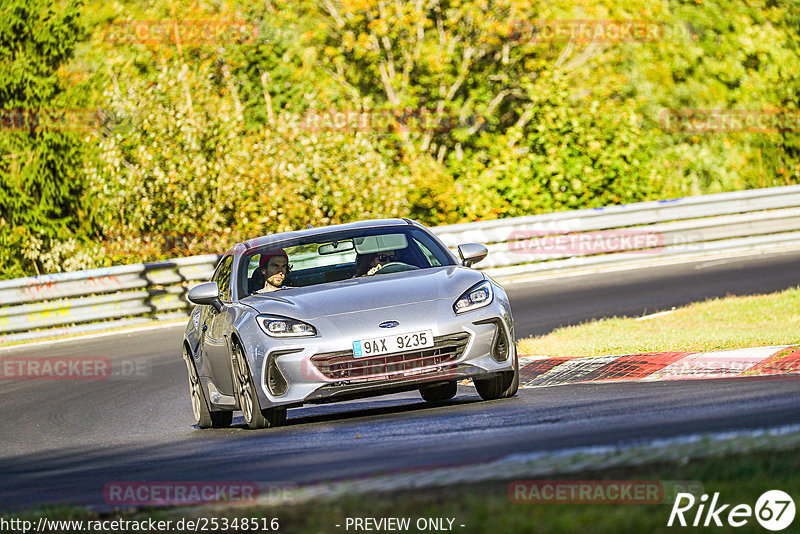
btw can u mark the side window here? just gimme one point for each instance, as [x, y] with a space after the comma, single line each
[247, 284]
[433, 251]
[223, 278]
[428, 254]
[253, 264]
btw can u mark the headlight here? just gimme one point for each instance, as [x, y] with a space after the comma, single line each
[284, 327]
[477, 296]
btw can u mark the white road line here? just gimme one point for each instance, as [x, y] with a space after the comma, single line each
[654, 315]
[569, 272]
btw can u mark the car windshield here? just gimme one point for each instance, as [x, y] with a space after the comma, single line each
[342, 255]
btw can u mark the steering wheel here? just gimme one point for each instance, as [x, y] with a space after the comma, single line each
[395, 267]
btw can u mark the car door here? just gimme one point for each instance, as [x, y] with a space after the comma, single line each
[215, 329]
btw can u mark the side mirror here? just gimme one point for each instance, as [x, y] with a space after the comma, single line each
[206, 294]
[472, 253]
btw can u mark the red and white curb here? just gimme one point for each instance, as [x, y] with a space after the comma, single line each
[538, 371]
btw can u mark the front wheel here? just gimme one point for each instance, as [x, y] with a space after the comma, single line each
[501, 386]
[439, 393]
[202, 415]
[513, 387]
[254, 416]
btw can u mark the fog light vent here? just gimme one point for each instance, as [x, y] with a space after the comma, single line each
[275, 381]
[499, 348]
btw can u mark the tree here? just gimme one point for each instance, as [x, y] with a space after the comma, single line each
[40, 148]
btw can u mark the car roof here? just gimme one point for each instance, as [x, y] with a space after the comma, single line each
[283, 236]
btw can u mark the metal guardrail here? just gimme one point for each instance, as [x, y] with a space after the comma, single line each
[682, 228]
[43, 306]
[715, 224]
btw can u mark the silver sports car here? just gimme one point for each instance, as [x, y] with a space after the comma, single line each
[343, 312]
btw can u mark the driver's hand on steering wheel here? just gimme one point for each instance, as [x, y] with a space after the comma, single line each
[379, 261]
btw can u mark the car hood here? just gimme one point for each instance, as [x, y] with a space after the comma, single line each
[367, 293]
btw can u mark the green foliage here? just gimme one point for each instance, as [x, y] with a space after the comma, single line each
[208, 142]
[721, 55]
[41, 184]
[562, 153]
[180, 162]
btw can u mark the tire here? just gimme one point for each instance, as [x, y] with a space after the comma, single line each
[275, 416]
[490, 389]
[254, 416]
[513, 386]
[202, 415]
[439, 393]
[501, 386]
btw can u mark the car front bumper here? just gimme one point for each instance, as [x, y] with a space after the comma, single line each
[315, 370]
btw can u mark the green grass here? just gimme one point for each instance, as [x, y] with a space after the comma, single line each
[726, 323]
[486, 507]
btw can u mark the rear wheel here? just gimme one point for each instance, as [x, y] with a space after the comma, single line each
[204, 417]
[439, 393]
[254, 416]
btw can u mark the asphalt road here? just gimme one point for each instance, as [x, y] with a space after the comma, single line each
[63, 441]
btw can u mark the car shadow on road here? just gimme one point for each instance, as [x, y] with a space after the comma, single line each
[324, 413]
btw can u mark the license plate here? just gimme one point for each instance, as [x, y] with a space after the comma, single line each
[394, 343]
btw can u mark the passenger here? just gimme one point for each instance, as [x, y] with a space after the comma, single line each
[274, 264]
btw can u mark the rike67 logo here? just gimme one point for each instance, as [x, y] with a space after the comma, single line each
[774, 510]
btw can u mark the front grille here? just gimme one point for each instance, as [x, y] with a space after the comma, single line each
[342, 365]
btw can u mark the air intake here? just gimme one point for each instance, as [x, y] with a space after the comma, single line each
[273, 378]
[499, 348]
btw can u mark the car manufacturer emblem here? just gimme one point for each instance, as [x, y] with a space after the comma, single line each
[388, 324]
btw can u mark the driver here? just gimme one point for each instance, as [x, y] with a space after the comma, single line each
[275, 266]
[379, 260]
